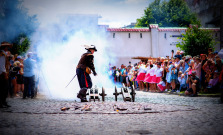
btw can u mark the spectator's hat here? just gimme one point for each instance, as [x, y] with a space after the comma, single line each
[193, 72]
[181, 52]
[19, 57]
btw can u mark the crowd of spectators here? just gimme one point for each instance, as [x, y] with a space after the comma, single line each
[17, 75]
[177, 73]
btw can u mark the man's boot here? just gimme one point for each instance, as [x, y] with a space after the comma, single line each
[82, 95]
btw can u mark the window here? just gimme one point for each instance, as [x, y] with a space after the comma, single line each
[113, 35]
[129, 35]
[216, 34]
[140, 35]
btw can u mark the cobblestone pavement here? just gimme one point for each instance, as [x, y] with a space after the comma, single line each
[152, 113]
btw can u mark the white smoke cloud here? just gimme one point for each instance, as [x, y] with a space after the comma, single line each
[59, 47]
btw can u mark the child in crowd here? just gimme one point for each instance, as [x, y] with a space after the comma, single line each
[147, 77]
[173, 78]
[161, 85]
[182, 81]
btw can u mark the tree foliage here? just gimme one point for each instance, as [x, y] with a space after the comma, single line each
[21, 45]
[15, 20]
[196, 41]
[16, 25]
[174, 13]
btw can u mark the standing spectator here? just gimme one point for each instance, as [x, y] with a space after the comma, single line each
[197, 67]
[3, 80]
[152, 75]
[182, 81]
[158, 73]
[29, 76]
[13, 76]
[141, 76]
[177, 61]
[218, 65]
[180, 67]
[209, 70]
[117, 73]
[203, 61]
[168, 76]
[122, 71]
[178, 55]
[20, 78]
[147, 76]
[173, 78]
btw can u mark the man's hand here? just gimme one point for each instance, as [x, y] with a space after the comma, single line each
[95, 74]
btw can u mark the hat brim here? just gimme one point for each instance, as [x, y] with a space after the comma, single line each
[91, 48]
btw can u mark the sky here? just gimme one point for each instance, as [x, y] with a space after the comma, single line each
[115, 13]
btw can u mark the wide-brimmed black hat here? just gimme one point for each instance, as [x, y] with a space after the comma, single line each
[91, 47]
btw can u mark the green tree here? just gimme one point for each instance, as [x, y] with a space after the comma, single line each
[196, 41]
[174, 13]
[21, 44]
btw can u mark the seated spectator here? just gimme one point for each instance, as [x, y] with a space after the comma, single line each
[194, 85]
[161, 85]
[213, 82]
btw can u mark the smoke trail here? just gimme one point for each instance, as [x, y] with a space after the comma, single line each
[14, 20]
[59, 47]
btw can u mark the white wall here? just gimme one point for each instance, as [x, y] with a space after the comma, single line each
[167, 44]
[125, 48]
[153, 43]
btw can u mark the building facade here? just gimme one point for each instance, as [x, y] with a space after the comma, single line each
[154, 41]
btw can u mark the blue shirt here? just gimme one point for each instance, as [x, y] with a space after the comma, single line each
[29, 66]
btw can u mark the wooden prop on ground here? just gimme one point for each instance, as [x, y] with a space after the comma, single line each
[127, 94]
[94, 95]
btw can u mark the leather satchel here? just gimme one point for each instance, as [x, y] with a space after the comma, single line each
[88, 70]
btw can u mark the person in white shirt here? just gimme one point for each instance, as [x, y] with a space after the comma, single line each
[152, 75]
[3, 80]
[147, 77]
[161, 85]
[141, 76]
[158, 73]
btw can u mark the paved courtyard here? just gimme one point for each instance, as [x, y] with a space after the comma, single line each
[152, 113]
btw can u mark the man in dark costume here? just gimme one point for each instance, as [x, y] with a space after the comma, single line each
[84, 68]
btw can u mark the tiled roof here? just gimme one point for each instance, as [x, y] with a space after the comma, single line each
[159, 29]
[128, 29]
